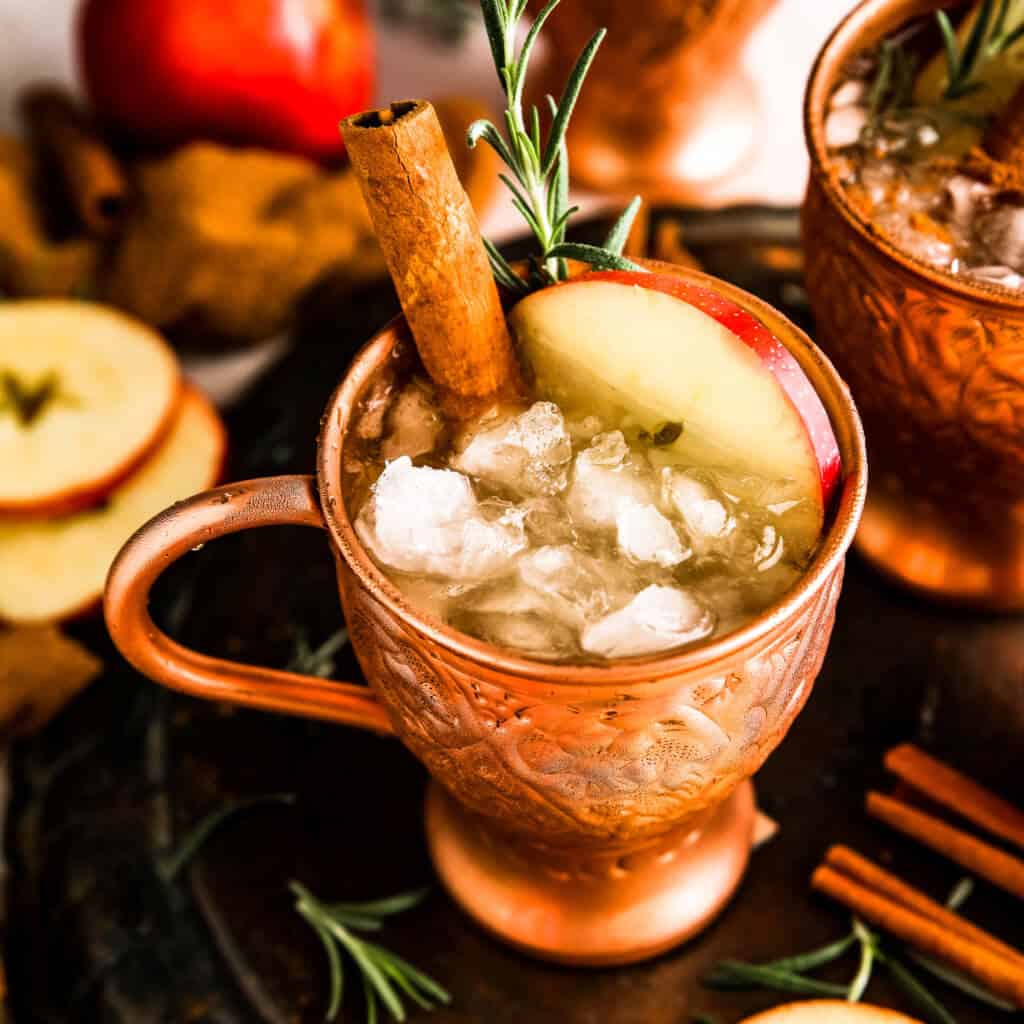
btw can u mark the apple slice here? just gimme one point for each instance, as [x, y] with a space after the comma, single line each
[649, 349]
[56, 568]
[829, 1011]
[86, 393]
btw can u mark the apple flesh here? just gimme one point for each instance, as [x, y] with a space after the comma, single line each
[86, 394]
[649, 349]
[829, 1011]
[279, 74]
[55, 569]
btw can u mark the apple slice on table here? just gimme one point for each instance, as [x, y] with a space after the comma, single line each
[56, 568]
[86, 393]
[829, 1011]
[651, 349]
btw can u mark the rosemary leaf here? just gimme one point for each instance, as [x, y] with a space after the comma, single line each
[502, 270]
[595, 256]
[494, 23]
[816, 957]
[928, 1005]
[171, 863]
[860, 981]
[483, 129]
[371, 972]
[407, 974]
[952, 54]
[569, 97]
[386, 907]
[978, 33]
[528, 44]
[731, 974]
[371, 1002]
[335, 970]
[961, 982]
[959, 894]
[620, 229]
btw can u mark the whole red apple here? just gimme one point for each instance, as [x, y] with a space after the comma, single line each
[278, 74]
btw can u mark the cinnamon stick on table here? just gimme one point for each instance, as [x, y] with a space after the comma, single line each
[433, 249]
[1002, 976]
[66, 139]
[976, 856]
[875, 877]
[948, 788]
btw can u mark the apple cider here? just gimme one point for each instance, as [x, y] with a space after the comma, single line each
[581, 524]
[924, 132]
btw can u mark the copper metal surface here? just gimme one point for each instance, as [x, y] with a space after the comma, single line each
[667, 110]
[557, 764]
[936, 364]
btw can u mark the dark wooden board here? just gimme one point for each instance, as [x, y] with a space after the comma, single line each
[97, 933]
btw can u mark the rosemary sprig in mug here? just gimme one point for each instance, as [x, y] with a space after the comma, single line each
[540, 167]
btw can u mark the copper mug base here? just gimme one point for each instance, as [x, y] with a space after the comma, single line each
[618, 907]
[588, 814]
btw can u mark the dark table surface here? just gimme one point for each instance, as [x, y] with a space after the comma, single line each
[99, 930]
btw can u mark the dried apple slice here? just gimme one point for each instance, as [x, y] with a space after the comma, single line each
[829, 1011]
[55, 568]
[86, 393]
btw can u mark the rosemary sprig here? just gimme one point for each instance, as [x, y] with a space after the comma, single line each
[539, 180]
[387, 978]
[789, 974]
[316, 661]
[989, 37]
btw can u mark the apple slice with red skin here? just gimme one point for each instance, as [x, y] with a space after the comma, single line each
[54, 569]
[651, 348]
[86, 394]
[829, 1011]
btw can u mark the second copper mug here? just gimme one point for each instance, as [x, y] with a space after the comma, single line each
[589, 814]
[936, 364]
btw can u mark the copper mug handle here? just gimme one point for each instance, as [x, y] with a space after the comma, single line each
[273, 501]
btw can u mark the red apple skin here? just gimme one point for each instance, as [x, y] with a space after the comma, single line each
[772, 353]
[278, 74]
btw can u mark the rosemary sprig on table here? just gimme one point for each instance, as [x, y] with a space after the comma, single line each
[387, 978]
[789, 974]
[540, 167]
[990, 35]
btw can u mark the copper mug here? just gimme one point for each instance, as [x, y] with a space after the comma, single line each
[936, 364]
[668, 110]
[589, 814]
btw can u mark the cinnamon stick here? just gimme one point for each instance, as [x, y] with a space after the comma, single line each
[976, 856]
[433, 249]
[65, 138]
[948, 788]
[865, 871]
[1002, 976]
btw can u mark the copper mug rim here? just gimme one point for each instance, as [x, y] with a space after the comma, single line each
[841, 520]
[868, 23]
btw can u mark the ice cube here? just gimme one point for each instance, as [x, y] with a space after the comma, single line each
[424, 520]
[657, 619]
[606, 477]
[997, 275]
[415, 423]
[1001, 232]
[577, 587]
[844, 125]
[546, 521]
[516, 616]
[645, 535]
[584, 430]
[528, 454]
[704, 513]
[849, 93]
